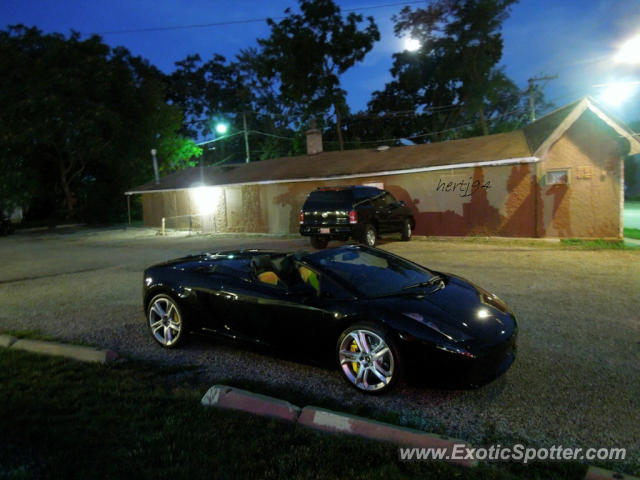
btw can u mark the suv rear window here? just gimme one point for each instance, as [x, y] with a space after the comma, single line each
[321, 199]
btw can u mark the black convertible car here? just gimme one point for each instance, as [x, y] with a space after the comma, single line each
[377, 315]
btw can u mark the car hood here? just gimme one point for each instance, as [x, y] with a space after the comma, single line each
[461, 311]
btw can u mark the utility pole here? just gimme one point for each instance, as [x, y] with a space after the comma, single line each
[531, 91]
[246, 134]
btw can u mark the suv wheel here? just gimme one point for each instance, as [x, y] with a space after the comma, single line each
[319, 242]
[369, 235]
[405, 235]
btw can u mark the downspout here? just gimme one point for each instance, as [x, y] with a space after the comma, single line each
[536, 202]
[621, 207]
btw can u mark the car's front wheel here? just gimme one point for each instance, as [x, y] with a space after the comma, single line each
[165, 321]
[368, 358]
[319, 242]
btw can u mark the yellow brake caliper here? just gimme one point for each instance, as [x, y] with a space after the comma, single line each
[354, 349]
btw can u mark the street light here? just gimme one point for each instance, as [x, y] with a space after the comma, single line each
[222, 128]
[616, 93]
[629, 51]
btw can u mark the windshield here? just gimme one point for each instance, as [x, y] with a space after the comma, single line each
[328, 199]
[371, 272]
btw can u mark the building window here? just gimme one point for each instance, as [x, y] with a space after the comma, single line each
[558, 177]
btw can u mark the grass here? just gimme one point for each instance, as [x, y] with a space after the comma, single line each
[39, 335]
[632, 233]
[597, 244]
[63, 419]
[29, 334]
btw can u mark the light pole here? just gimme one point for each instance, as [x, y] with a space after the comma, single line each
[155, 164]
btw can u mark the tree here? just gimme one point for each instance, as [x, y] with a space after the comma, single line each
[78, 121]
[306, 53]
[453, 79]
[204, 90]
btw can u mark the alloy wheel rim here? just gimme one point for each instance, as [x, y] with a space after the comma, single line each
[371, 237]
[370, 367]
[165, 321]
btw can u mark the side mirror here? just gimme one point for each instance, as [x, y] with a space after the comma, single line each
[302, 290]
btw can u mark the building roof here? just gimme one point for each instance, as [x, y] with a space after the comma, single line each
[544, 132]
[520, 146]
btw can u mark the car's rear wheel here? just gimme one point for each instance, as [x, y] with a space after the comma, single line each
[405, 235]
[368, 358]
[369, 236]
[319, 242]
[165, 321]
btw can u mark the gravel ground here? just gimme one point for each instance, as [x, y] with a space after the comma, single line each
[576, 380]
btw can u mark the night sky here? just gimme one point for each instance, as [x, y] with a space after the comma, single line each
[574, 39]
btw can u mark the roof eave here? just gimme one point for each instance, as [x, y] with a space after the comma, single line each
[482, 163]
[584, 105]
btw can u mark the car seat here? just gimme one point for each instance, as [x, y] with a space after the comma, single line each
[309, 277]
[287, 270]
[265, 270]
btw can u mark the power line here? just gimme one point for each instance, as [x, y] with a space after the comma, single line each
[240, 22]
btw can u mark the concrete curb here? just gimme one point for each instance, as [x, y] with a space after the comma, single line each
[76, 352]
[7, 340]
[237, 399]
[595, 473]
[342, 423]
[330, 421]
[321, 419]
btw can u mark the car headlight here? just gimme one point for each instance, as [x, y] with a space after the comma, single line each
[450, 333]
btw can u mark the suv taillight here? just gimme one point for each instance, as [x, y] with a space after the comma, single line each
[353, 216]
[301, 217]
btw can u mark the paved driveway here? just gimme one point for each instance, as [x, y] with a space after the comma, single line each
[575, 381]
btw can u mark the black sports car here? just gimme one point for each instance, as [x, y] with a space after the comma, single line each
[377, 315]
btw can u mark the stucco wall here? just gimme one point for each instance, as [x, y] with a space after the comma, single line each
[589, 205]
[469, 201]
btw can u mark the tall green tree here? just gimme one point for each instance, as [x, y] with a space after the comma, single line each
[306, 53]
[454, 77]
[78, 121]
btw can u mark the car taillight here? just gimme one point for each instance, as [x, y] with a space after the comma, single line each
[301, 217]
[353, 216]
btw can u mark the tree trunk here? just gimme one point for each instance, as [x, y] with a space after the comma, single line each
[339, 127]
[70, 199]
[483, 122]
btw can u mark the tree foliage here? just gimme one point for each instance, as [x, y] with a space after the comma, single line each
[78, 121]
[307, 52]
[453, 81]
[79, 118]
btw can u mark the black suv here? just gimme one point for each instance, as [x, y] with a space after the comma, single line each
[359, 212]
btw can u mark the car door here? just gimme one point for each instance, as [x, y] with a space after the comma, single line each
[253, 310]
[302, 318]
[381, 213]
[226, 301]
[395, 213]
